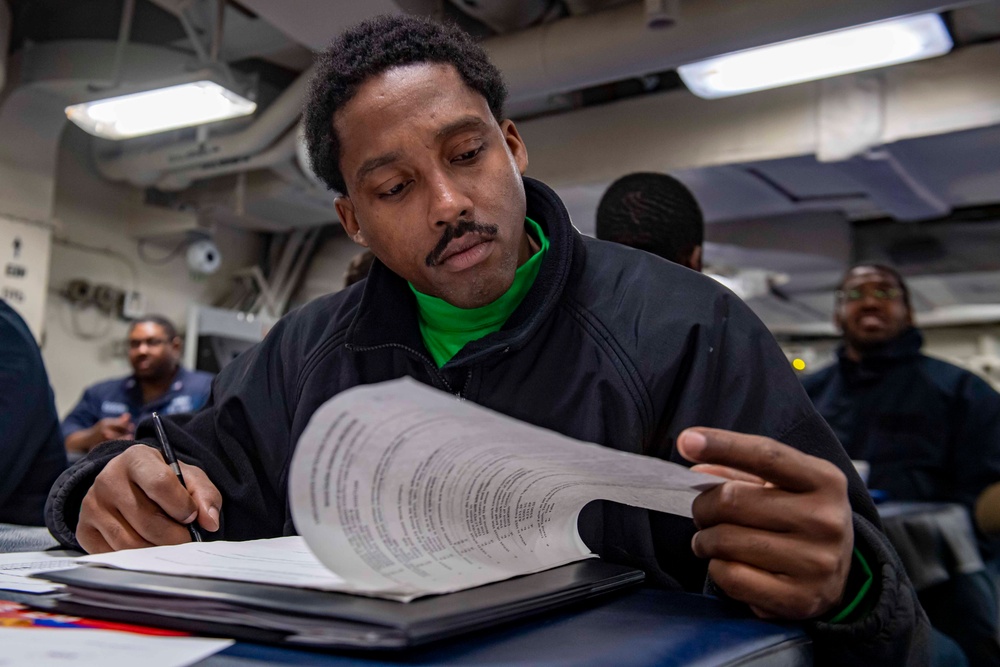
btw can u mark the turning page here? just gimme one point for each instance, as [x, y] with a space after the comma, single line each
[405, 491]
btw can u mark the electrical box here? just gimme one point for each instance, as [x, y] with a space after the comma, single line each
[216, 336]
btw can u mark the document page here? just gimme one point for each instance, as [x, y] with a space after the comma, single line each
[101, 648]
[406, 491]
[282, 561]
[17, 568]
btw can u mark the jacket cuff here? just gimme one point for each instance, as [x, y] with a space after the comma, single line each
[895, 629]
[62, 508]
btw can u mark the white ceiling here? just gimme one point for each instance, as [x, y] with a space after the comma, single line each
[769, 201]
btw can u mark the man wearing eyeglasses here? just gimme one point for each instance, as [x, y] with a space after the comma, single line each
[929, 430]
[110, 410]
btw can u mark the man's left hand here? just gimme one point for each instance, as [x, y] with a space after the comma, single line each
[778, 532]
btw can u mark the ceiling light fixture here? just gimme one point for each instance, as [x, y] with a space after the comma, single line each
[159, 110]
[819, 56]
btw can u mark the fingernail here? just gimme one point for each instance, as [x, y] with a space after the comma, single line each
[694, 544]
[194, 515]
[694, 442]
[214, 513]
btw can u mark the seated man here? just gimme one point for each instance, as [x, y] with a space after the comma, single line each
[31, 448]
[655, 213]
[929, 430]
[485, 290]
[110, 410]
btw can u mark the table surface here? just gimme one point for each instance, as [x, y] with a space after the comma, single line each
[935, 541]
[638, 627]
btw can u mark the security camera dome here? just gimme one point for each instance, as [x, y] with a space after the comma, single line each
[204, 257]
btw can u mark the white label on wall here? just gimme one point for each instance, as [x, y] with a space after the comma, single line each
[24, 270]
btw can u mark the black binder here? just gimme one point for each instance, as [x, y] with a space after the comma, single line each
[320, 619]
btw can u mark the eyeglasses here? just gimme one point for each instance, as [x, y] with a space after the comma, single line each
[135, 344]
[890, 294]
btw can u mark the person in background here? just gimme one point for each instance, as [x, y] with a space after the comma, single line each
[110, 410]
[358, 269]
[484, 289]
[656, 213]
[31, 446]
[929, 430]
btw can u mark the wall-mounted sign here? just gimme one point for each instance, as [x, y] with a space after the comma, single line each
[25, 249]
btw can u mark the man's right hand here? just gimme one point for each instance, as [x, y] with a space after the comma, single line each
[109, 428]
[137, 501]
[114, 428]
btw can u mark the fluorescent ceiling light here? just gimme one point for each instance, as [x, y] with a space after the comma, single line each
[159, 110]
[819, 57]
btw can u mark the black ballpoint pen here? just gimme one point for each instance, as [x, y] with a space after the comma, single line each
[168, 456]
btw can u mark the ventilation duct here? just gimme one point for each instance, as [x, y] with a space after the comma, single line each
[616, 44]
[43, 79]
[146, 167]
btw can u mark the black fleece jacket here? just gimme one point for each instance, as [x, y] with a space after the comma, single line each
[929, 429]
[610, 345]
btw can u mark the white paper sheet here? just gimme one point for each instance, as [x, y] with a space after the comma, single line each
[16, 568]
[284, 561]
[43, 647]
[405, 490]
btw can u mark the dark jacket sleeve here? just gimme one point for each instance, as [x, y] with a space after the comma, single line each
[31, 450]
[975, 447]
[739, 379]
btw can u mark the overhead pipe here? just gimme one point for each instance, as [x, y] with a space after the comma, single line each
[145, 167]
[614, 44]
[282, 151]
[565, 55]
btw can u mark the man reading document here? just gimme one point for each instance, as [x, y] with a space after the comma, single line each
[483, 288]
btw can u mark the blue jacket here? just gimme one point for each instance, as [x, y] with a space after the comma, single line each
[610, 345]
[930, 430]
[188, 392]
[31, 447]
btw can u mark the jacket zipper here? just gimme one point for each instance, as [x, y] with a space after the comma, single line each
[416, 353]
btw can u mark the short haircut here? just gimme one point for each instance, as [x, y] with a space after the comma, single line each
[369, 49]
[167, 326]
[881, 268]
[652, 212]
[359, 267]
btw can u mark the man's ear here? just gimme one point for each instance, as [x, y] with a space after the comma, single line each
[515, 144]
[348, 220]
[694, 259]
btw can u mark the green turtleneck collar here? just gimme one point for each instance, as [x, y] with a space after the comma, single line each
[446, 329]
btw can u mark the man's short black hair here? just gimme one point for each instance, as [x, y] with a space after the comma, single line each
[652, 212]
[159, 320]
[372, 47]
[881, 268]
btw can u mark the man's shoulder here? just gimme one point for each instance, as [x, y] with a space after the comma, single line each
[196, 380]
[644, 275]
[315, 323]
[953, 378]
[111, 386]
[330, 311]
[818, 379]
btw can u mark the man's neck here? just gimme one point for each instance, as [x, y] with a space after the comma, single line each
[528, 248]
[852, 353]
[154, 389]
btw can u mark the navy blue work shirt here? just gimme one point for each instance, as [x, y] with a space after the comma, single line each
[188, 392]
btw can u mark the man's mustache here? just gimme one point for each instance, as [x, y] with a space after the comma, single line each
[457, 231]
